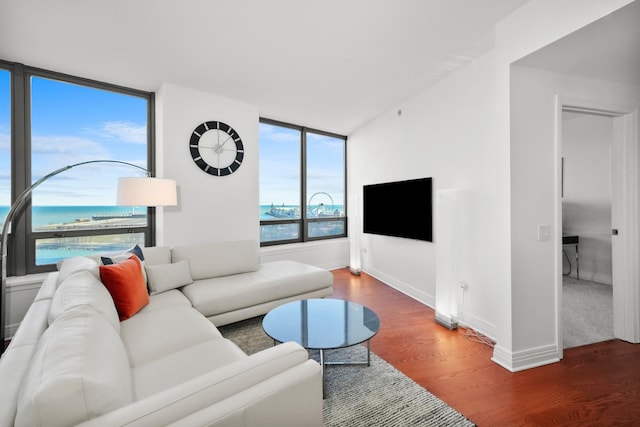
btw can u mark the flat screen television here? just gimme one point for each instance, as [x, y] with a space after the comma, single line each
[399, 209]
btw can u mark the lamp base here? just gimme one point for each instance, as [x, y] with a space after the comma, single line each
[448, 322]
[355, 271]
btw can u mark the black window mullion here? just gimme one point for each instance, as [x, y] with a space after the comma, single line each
[150, 235]
[303, 184]
[20, 167]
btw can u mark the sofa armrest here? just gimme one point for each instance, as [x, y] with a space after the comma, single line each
[220, 385]
[292, 398]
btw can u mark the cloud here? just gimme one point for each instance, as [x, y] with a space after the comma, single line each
[278, 133]
[61, 144]
[125, 131]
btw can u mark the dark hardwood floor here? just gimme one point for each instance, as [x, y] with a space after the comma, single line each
[594, 385]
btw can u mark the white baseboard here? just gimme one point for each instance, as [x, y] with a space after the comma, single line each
[468, 321]
[416, 294]
[525, 359]
[479, 325]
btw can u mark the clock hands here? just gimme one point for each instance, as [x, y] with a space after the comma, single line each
[217, 148]
[225, 141]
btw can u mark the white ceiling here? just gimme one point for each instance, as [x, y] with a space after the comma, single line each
[331, 64]
[607, 49]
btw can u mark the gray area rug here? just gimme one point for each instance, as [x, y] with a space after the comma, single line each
[587, 311]
[361, 396]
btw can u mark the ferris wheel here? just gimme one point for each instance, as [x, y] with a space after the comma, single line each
[320, 204]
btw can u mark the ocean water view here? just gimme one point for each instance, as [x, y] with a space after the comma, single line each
[60, 218]
[283, 211]
[292, 231]
[53, 218]
[45, 216]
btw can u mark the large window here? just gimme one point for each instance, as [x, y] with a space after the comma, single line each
[302, 184]
[66, 121]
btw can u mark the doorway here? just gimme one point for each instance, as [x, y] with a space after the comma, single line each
[587, 283]
[624, 187]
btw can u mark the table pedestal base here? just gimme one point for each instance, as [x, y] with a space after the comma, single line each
[324, 363]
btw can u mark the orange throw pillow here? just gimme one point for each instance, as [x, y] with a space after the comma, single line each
[125, 283]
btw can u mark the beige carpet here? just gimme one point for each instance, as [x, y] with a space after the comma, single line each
[587, 309]
[362, 396]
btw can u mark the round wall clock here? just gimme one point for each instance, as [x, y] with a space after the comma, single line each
[216, 148]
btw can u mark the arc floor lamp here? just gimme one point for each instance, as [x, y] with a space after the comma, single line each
[132, 191]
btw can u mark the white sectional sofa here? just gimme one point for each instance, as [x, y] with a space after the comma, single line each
[73, 361]
[230, 283]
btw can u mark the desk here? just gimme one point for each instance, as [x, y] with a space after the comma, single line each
[573, 240]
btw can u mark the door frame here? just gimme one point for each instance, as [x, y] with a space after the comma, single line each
[626, 292]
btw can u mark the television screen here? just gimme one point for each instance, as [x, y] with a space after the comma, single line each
[400, 209]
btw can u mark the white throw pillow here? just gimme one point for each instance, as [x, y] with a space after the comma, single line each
[80, 370]
[164, 277]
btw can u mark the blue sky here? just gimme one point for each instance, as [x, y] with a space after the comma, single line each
[280, 166]
[71, 124]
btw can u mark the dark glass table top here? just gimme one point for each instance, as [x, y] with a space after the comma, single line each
[322, 323]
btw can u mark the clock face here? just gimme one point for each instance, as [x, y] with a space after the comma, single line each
[216, 148]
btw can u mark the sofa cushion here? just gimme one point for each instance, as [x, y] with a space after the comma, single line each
[165, 300]
[155, 334]
[219, 259]
[273, 281]
[164, 277]
[79, 371]
[127, 286]
[73, 265]
[83, 288]
[182, 365]
[48, 287]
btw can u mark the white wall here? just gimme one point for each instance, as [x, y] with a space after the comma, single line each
[586, 204]
[446, 133]
[534, 190]
[459, 132]
[210, 208]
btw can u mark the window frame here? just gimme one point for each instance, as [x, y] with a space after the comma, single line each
[303, 222]
[22, 240]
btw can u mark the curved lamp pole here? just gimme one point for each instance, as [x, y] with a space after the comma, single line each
[168, 187]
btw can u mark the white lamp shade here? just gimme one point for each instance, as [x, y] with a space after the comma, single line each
[146, 192]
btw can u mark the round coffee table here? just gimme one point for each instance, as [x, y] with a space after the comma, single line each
[323, 324]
